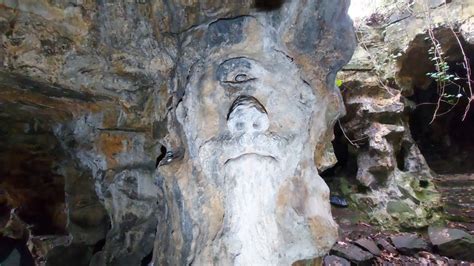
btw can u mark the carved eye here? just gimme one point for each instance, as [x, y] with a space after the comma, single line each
[235, 70]
[236, 77]
[242, 78]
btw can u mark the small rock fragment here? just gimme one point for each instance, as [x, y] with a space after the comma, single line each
[352, 253]
[332, 260]
[409, 244]
[453, 243]
[386, 245]
[338, 201]
[369, 245]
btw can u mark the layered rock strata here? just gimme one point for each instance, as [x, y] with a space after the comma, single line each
[119, 88]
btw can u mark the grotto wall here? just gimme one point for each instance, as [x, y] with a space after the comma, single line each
[115, 100]
[381, 86]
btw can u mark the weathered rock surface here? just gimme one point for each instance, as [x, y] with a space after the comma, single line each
[409, 244]
[248, 86]
[332, 260]
[385, 245]
[369, 245]
[457, 196]
[453, 243]
[352, 253]
[385, 88]
[89, 93]
[413, 250]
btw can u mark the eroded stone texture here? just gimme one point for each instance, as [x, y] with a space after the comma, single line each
[258, 98]
[107, 79]
[390, 62]
[95, 76]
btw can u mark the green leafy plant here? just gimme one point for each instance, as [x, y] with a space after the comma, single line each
[442, 68]
[442, 76]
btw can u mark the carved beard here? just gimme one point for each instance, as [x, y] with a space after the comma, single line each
[272, 199]
[251, 184]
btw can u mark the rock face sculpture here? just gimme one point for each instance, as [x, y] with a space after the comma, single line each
[240, 94]
[255, 106]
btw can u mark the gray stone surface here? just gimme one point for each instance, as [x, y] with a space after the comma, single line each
[453, 243]
[369, 245]
[390, 62]
[249, 85]
[384, 244]
[409, 244]
[332, 260]
[115, 83]
[352, 253]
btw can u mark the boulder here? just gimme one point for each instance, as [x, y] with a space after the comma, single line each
[409, 244]
[453, 243]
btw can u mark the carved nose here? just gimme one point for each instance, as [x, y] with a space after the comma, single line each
[247, 115]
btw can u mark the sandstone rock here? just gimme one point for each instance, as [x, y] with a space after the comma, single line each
[244, 157]
[103, 88]
[453, 243]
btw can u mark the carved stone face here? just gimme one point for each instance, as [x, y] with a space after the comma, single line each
[248, 108]
[251, 127]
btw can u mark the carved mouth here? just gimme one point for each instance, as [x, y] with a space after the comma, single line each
[251, 154]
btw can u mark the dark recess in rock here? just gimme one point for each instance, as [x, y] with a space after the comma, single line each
[446, 142]
[268, 5]
[162, 155]
[14, 252]
[147, 259]
[98, 246]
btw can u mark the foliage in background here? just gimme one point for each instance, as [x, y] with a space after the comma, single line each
[442, 74]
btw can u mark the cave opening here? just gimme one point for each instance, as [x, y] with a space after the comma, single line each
[32, 195]
[30, 187]
[346, 156]
[44, 194]
[447, 141]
